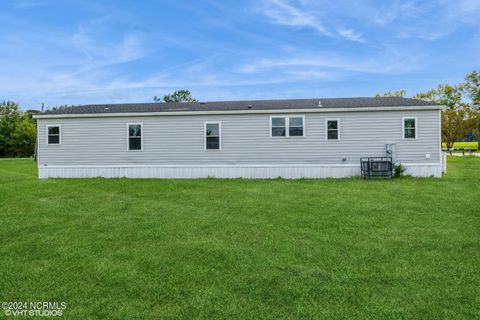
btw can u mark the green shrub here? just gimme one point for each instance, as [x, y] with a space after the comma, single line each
[398, 170]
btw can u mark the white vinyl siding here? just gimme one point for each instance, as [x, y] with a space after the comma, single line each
[245, 139]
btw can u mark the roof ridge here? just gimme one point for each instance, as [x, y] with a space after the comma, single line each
[315, 103]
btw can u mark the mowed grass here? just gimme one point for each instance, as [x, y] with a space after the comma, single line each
[471, 145]
[243, 249]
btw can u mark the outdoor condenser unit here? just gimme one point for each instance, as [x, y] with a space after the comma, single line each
[376, 167]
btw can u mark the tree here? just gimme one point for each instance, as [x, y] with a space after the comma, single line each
[31, 112]
[182, 95]
[60, 107]
[454, 125]
[9, 118]
[17, 131]
[475, 124]
[471, 88]
[455, 120]
[445, 94]
[23, 137]
[400, 93]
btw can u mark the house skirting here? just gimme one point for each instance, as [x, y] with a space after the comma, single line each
[291, 171]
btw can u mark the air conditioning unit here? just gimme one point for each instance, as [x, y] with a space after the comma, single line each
[376, 167]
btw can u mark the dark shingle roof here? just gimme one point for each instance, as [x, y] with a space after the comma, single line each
[242, 105]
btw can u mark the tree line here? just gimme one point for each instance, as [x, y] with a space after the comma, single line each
[18, 131]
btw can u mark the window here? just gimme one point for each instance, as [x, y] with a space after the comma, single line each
[295, 127]
[332, 128]
[287, 126]
[409, 128]
[212, 135]
[279, 127]
[53, 134]
[134, 136]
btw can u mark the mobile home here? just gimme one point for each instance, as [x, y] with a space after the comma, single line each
[300, 138]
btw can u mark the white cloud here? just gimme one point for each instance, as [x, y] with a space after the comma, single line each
[66, 59]
[380, 64]
[285, 13]
[100, 53]
[462, 12]
[351, 34]
[49, 63]
[309, 74]
[427, 20]
[433, 20]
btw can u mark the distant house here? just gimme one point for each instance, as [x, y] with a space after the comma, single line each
[311, 138]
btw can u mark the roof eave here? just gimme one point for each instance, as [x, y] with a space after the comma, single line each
[250, 111]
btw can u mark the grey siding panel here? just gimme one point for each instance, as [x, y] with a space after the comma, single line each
[179, 140]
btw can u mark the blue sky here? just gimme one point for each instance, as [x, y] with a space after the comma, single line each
[78, 52]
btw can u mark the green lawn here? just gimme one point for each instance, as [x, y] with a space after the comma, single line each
[243, 249]
[471, 145]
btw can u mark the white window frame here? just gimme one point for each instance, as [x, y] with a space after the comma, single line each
[403, 127]
[326, 129]
[219, 135]
[141, 135]
[59, 134]
[287, 126]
